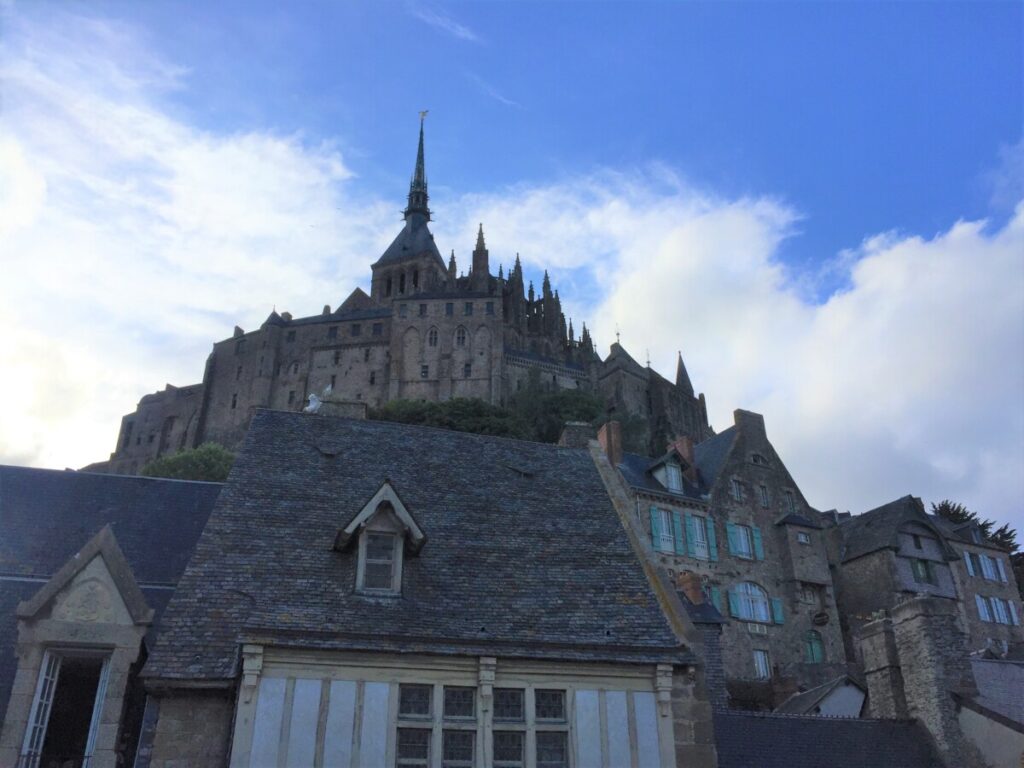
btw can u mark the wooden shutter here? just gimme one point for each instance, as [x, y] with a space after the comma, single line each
[734, 603]
[716, 599]
[982, 604]
[970, 565]
[691, 537]
[712, 543]
[677, 525]
[730, 538]
[777, 615]
[758, 545]
[999, 567]
[655, 531]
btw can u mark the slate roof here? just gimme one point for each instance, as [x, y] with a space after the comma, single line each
[414, 240]
[796, 519]
[762, 740]
[635, 471]
[879, 528]
[618, 358]
[524, 556]
[47, 515]
[803, 703]
[711, 454]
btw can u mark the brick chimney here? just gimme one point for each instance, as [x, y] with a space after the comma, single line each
[610, 437]
[684, 444]
[689, 584]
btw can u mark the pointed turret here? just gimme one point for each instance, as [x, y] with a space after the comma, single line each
[546, 286]
[682, 377]
[418, 185]
[501, 271]
[481, 269]
[572, 336]
[530, 294]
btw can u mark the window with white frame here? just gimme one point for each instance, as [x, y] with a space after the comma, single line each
[674, 476]
[752, 602]
[699, 537]
[380, 555]
[736, 488]
[449, 714]
[742, 541]
[666, 531]
[762, 664]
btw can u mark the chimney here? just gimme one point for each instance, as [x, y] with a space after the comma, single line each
[689, 584]
[684, 444]
[576, 434]
[610, 437]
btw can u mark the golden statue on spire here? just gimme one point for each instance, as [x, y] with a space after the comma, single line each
[423, 114]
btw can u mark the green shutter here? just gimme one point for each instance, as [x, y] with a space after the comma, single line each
[758, 545]
[777, 610]
[677, 524]
[691, 543]
[655, 533]
[734, 603]
[712, 544]
[730, 538]
[716, 598]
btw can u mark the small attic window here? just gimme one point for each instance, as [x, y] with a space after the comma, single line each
[674, 477]
[380, 556]
[760, 460]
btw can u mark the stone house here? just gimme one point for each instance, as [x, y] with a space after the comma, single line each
[898, 551]
[368, 593]
[727, 513]
[87, 565]
[425, 331]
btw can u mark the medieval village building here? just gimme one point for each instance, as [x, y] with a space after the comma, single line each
[363, 594]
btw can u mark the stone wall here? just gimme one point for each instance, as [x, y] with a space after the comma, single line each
[193, 729]
[981, 634]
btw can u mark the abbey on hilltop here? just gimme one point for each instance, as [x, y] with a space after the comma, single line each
[425, 332]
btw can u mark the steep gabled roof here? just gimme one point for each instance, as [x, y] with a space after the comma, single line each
[804, 703]
[413, 241]
[356, 300]
[526, 556]
[879, 528]
[619, 359]
[711, 455]
[637, 470]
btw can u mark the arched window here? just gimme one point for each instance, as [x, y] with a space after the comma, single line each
[751, 602]
[814, 649]
[460, 337]
[432, 337]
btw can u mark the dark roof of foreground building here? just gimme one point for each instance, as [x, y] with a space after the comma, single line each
[805, 702]
[762, 740]
[524, 552]
[47, 516]
[879, 528]
[637, 470]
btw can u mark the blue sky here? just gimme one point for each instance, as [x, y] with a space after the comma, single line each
[820, 204]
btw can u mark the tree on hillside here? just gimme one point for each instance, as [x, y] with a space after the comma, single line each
[1004, 536]
[459, 414]
[545, 411]
[210, 461]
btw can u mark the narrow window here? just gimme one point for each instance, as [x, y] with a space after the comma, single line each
[290, 336]
[468, 309]
[415, 278]
[373, 377]
[762, 665]
[238, 373]
[489, 307]
[424, 371]
[337, 356]
[423, 310]
[460, 337]
[698, 533]
[432, 337]
[291, 396]
[378, 329]
[666, 537]
[675, 477]
[357, 329]
[332, 332]
[234, 400]
[790, 502]
[334, 380]
[988, 569]
[401, 283]
[743, 541]
[763, 490]
[387, 286]
[366, 355]
[814, 649]
[1002, 616]
[379, 561]
[736, 489]
[917, 540]
[449, 309]
[467, 371]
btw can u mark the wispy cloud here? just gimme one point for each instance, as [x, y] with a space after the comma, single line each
[489, 90]
[444, 23]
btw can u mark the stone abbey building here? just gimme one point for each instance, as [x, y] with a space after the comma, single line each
[425, 332]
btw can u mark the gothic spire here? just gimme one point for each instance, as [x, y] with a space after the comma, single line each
[418, 185]
[682, 377]
[480, 239]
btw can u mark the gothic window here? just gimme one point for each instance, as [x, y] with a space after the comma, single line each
[814, 649]
[460, 337]
[432, 337]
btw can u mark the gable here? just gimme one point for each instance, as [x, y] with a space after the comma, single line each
[387, 508]
[91, 596]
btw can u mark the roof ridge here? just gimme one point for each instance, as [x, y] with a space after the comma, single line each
[69, 472]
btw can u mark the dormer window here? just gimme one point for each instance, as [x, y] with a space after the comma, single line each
[674, 476]
[379, 562]
[386, 533]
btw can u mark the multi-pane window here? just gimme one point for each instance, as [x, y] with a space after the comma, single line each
[509, 749]
[460, 337]
[508, 705]
[751, 602]
[552, 749]
[549, 705]
[379, 561]
[457, 749]
[432, 337]
[736, 488]
[414, 747]
[790, 502]
[923, 570]
[803, 537]
[675, 477]
[698, 533]
[414, 700]
[459, 702]
[666, 541]
[762, 665]
[742, 541]
[763, 492]
[378, 329]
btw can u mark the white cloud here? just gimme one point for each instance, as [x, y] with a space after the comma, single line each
[444, 23]
[131, 240]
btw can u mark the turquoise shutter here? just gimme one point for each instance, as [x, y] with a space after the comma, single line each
[970, 565]
[677, 524]
[1013, 612]
[758, 545]
[730, 538]
[712, 544]
[655, 533]
[691, 537]
[716, 599]
[734, 603]
[777, 610]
